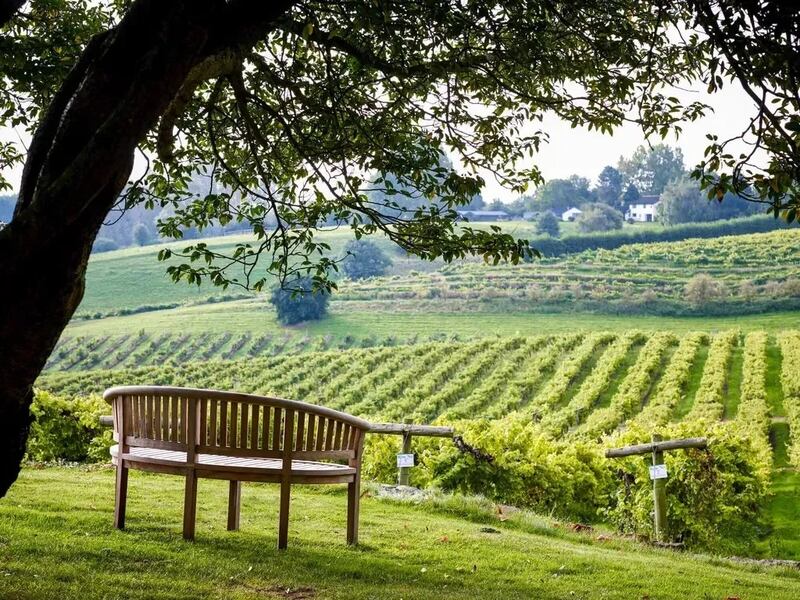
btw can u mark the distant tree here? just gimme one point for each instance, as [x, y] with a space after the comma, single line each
[497, 204]
[548, 224]
[141, 235]
[684, 202]
[609, 188]
[364, 258]
[296, 302]
[599, 217]
[631, 195]
[558, 195]
[104, 245]
[475, 203]
[651, 169]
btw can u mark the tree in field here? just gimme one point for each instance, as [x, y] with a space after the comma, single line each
[299, 303]
[651, 169]
[364, 258]
[609, 188]
[548, 224]
[288, 108]
[141, 236]
[598, 217]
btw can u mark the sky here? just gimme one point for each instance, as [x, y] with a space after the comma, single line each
[578, 151]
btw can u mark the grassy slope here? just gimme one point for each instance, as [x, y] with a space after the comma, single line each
[56, 541]
[257, 317]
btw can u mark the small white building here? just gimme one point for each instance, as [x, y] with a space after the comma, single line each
[645, 210]
[571, 214]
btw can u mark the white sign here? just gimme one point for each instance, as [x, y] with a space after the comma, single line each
[658, 472]
[405, 460]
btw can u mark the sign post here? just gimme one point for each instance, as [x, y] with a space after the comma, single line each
[659, 491]
[404, 471]
[658, 472]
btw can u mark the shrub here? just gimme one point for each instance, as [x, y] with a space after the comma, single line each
[363, 259]
[599, 217]
[297, 302]
[701, 288]
[68, 429]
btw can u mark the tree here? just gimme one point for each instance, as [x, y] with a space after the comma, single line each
[289, 105]
[299, 302]
[559, 195]
[651, 169]
[364, 258]
[141, 236]
[609, 188]
[684, 202]
[598, 217]
[548, 224]
[631, 196]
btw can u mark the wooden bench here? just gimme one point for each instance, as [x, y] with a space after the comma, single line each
[237, 437]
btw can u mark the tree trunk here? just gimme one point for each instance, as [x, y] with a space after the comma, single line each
[78, 163]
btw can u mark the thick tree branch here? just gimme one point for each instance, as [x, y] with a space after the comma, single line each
[8, 8]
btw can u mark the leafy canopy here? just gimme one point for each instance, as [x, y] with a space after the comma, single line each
[340, 98]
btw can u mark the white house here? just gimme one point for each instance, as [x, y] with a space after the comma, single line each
[645, 210]
[570, 214]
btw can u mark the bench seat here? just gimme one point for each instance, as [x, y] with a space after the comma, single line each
[211, 462]
[214, 434]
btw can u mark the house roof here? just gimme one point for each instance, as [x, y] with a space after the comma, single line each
[572, 210]
[648, 199]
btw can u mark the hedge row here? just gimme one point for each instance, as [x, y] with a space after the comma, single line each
[608, 240]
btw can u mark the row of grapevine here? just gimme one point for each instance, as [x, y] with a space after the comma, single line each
[790, 382]
[81, 353]
[752, 416]
[672, 385]
[632, 392]
[530, 376]
[709, 402]
[459, 385]
[556, 423]
[491, 388]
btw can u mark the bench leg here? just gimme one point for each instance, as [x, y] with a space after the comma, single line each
[283, 518]
[353, 500]
[120, 495]
[234, 504]
[190, 505]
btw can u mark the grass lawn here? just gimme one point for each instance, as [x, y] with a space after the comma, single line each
[56, 541]
[257, 316]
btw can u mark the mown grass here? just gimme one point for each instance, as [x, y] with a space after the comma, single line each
[257, 317]
[56, 541]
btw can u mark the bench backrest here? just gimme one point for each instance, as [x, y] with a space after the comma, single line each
[232, 424]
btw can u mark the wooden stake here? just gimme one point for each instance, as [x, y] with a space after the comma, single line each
[404, 472]
[659, 495]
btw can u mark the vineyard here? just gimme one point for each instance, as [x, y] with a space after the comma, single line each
[82, 353]
[747, 273]
[581, 385]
